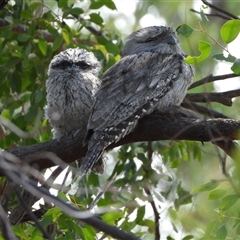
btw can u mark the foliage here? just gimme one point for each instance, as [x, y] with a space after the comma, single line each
[177, 178]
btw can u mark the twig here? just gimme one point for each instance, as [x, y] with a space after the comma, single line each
[19, 212]
[203, 110]
[224, 98]
[3, 3]
[220, 10]
[17, 177]
[6, 228]
[21, 28]
[149, 194]
[156, 213]
[212, 14]
[214, 40]
[91, 29]
[211, 78]
[29, 212]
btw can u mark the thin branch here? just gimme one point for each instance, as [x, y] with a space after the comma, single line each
[149, 194]
[203, 110]
[6, 228]
[13, 128]
[17, 177]
[21, 28]
[3, 3]
[38, 214]
[155, 211]
[29, 212]
[211, 78]
[220, 9]
[224, 98]
[91, 29]
[212, 14]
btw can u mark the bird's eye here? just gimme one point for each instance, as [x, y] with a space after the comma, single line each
[150, 39]
[63, 64]
[82, 65]
[155, 37]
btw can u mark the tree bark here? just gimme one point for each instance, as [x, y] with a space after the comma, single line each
[166, 126]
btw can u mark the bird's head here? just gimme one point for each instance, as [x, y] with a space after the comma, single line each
[75, 59]
[153, 39]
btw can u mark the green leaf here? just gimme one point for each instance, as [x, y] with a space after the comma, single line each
[230, 30]
[216, 194]
[88, 232]
[210, 229]
[110, 4]
[205, 20]
[53, 213]
[63, 196]
[19, 231]
[12, 62]
[25, 14]
[37, 96]
[221, 57]
[188, 237]
[184, 30]
[140, 214]
[204, 48]
[228, 202]
[205, 187]
[63, 4]
[23, 37]
[236, 66]
[112, 217]
[35, 5]
[98, 4]
[66, 35]
[42, 45]
[32, 113]
[76, 11]
[25, 62]
[96, 18]
[57, 43]
[53, 31]
[221, 233]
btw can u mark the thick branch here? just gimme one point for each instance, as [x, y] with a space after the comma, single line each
[152, 128]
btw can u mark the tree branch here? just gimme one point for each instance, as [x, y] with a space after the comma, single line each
[212, 14]
[203, 110]
[211, 78]
[21, 28]
[224, 98]
[3, 3]
[232, 16]
[155, 127]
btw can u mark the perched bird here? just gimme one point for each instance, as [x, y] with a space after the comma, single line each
[71, 86]
[151, 75]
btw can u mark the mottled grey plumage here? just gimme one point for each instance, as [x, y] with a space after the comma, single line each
[71, 86]
[151, 75]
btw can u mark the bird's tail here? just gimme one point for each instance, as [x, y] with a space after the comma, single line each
[92, 156]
